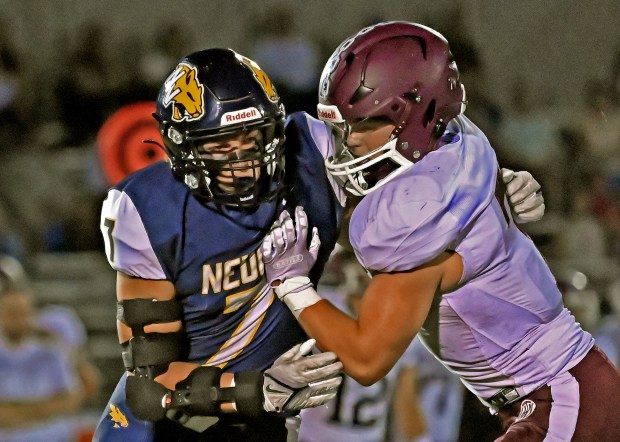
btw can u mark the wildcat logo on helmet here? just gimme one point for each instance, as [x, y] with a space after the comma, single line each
[184, 92]
[261, 77]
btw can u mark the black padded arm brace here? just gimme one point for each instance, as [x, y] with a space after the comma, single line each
[200, 393]
[137, 313]
[148, 354]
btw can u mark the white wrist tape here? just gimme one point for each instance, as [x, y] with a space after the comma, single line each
[297, 293]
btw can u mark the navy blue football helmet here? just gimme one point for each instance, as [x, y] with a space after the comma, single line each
[213, 96]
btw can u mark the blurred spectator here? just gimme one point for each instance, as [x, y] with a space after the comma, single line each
[589, 234]
[601, 124]
[609, 330]
[291, 59]
[11, 84]
[585, 303]
[85, 90]
[575, 166]
[615, 78]
[11, 242]
[170, 43]
[580, 298]
[37, 390]
[72, 224]
[482, 108]
[529, 139]
[141, 80]
[583, 239]
[65, 325]
[59, 332]
[603, 189]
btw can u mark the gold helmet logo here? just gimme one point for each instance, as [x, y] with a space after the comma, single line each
[261, 77]
[184, 92]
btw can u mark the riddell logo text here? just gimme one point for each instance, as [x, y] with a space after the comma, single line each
[327, 115]
[240, 116]
[251, 113]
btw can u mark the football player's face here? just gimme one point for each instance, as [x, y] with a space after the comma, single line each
[368, 135]
[232, 148]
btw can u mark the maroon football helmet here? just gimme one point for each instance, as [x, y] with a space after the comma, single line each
[399, 71]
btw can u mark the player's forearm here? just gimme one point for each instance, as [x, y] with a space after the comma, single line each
[355, 343]
[17, 414]
[177, 371]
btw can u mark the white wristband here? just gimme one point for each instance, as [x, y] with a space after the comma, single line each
[297, 293]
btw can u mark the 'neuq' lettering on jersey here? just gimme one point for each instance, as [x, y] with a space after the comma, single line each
[230, 274]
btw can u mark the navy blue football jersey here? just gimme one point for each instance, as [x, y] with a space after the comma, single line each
[154, 228]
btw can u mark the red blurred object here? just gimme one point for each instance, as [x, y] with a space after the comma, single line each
[120, 141]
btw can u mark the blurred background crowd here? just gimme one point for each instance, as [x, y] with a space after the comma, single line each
[542, 79]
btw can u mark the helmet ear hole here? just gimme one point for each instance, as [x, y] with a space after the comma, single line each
[429, 114]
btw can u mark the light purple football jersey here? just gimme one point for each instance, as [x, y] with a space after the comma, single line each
[505, 325]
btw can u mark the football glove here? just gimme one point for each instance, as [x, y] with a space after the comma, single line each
[296, 381]
[524, 196]
[288, 260]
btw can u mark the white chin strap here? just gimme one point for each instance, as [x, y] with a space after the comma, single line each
[348, 170]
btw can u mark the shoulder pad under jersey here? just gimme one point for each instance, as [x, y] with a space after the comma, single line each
[306, 132]
[127, 245]
[423, 212]
[390, 231]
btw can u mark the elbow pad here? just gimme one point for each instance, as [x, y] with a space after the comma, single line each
[149, 354]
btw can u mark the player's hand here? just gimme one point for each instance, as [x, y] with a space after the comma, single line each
[524, 196]
[297, 381]
[285, 253]
[288, 260]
